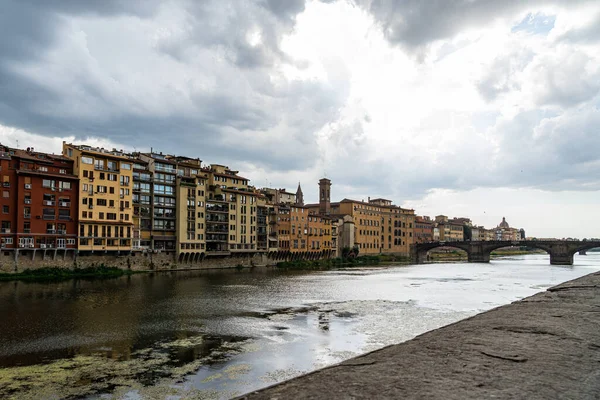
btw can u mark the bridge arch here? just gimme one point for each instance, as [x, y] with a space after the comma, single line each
[561, 252]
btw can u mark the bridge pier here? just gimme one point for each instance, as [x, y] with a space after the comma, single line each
[478, 257]
[582, 253]
[561, 259]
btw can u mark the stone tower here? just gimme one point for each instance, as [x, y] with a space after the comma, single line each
[299, 196]
[324, 196]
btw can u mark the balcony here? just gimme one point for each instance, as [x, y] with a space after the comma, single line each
[217, 208]
[217, 221]
[49, 202]
[48, 216]
[6, 184]
[26, 216]
[5, 230]
[28, 186]
[27, 201]
[64, 217]
[62, 232]
[51, 231]
[27, 230]
[216, 230]
[64, 204]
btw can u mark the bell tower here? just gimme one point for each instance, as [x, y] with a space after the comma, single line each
[299, 196]
[324, 196]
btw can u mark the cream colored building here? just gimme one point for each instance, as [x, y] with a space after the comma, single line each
[231, 212]
[105, 197]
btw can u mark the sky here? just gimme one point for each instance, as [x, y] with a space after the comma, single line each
[476, 108]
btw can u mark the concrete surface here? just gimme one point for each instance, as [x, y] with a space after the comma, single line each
[546, 346]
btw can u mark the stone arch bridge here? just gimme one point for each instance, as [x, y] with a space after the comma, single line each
[561, 251]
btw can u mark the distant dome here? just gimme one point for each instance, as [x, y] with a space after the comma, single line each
[504, 224]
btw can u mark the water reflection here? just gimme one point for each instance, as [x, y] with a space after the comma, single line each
[226, 333]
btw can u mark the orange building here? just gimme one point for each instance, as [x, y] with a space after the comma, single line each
[304, 232]
[423, 231]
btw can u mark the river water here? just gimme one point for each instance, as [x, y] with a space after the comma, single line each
[219, 334]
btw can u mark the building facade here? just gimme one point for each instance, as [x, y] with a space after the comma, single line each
[423, 231]
[39, 200]
[105, 217]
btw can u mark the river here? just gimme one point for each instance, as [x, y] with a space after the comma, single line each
[198, 335]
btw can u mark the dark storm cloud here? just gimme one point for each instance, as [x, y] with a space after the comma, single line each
[243, 116]
[30, 26]
[416, 23]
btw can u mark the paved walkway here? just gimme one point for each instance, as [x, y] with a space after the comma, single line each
[546, 346]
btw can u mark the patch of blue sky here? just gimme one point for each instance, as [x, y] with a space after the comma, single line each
[538, 24]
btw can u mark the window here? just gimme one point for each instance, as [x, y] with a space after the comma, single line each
[5, 209]
[87, 160]
[163, 189]
[64, 215]
[48, 213]
[125, 166]
[124, 180]
[5, 194]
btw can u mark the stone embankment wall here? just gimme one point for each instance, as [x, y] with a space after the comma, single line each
[137, 261]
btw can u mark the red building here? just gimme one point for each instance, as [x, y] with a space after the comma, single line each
[423, 231]
[39, 201]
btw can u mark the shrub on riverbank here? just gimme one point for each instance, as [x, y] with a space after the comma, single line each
[57, 274]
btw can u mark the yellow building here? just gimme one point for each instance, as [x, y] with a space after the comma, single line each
[105, 197]
[379, 226]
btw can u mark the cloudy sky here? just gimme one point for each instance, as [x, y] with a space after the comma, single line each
[478, 108]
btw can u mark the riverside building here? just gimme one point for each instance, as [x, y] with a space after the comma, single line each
[379, 226]
[39, 201]
[105, 217]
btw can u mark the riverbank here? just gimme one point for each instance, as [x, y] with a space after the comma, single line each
[461, 256]
[332, 263]
[53, 274]
[545, 346]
